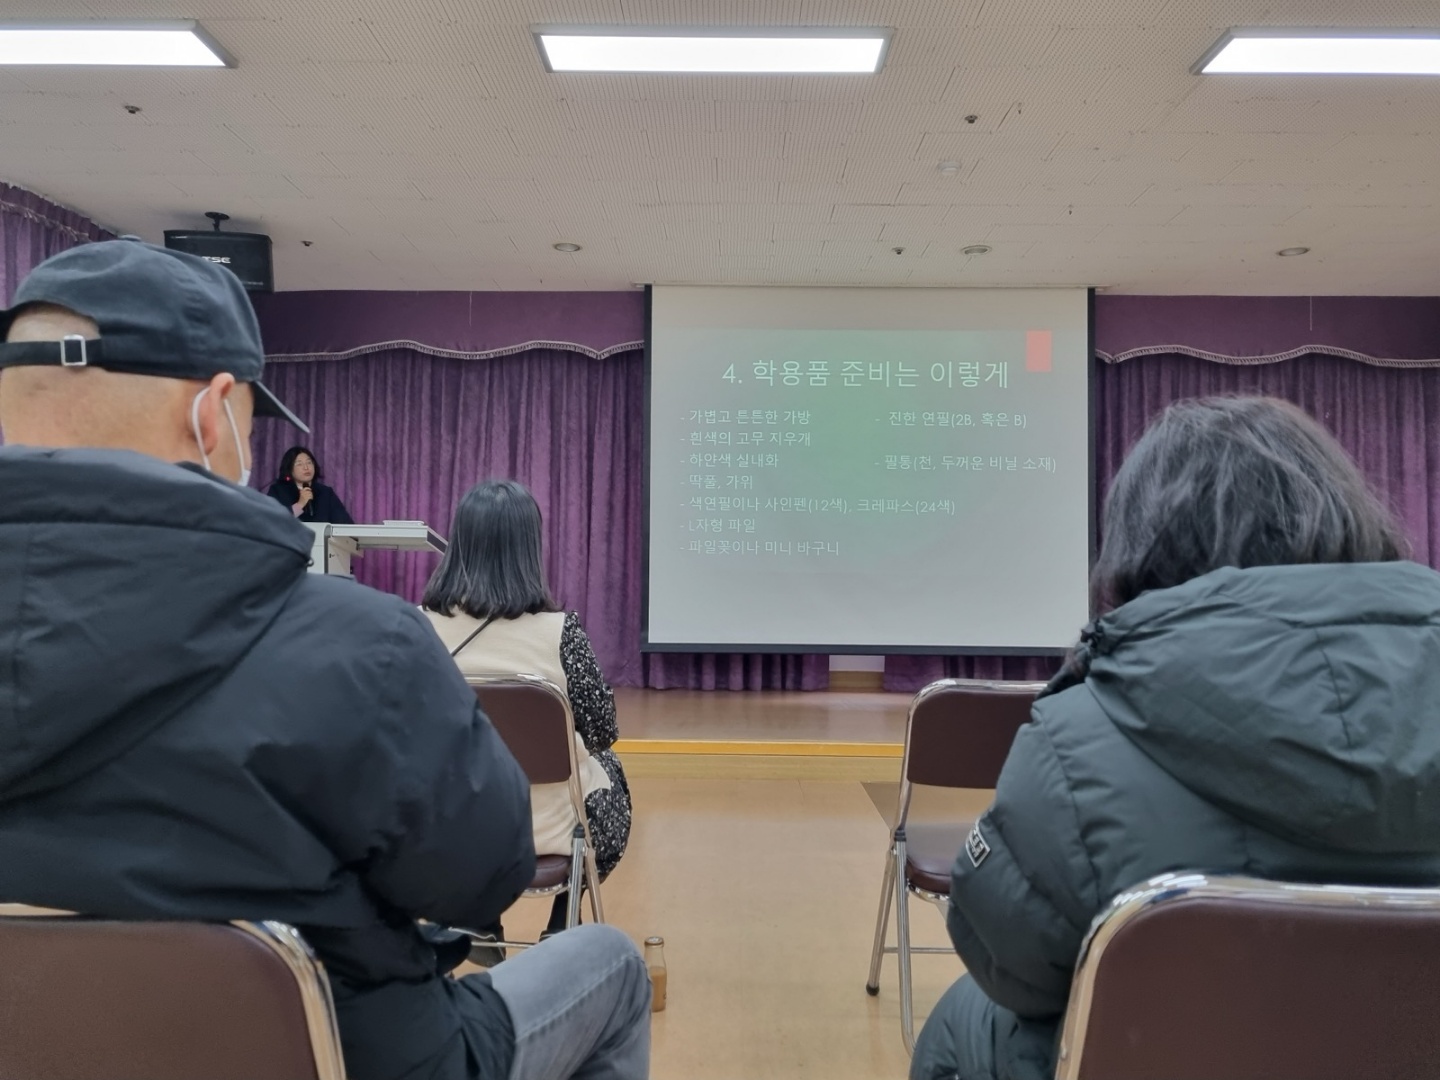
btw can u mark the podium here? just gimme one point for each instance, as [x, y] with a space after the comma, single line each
[336, 545]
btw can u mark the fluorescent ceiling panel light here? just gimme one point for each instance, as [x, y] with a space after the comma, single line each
[744, 52]
[1272, 51]
[144, 44]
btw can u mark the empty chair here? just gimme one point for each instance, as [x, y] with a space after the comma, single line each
[533, 716]
[96, 999]
[1189, 977]
[957, 735]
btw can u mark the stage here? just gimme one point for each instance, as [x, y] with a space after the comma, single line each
[819, 735]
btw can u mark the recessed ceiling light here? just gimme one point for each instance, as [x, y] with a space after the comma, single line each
[566, 247]
[177, 43]
[976, 249]
[948, 168]
[1288, 252]
[1275, 51]
[774, 50]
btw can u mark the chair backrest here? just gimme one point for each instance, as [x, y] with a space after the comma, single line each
[1191, 977]
[93, 999]
[533, 716]
[959, 731]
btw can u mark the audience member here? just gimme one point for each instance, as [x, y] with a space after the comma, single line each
[299, 489]
[1260, 697]
[194, 727]
[493, 610]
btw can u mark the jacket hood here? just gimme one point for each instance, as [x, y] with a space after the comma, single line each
[1303, 699]
[128, 588]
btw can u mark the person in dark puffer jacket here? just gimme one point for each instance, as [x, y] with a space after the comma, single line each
[1262, 697]
[194, 727]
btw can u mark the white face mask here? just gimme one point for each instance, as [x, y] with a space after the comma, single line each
[234, 431]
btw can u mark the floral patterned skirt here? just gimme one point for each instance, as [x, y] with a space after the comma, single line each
[608, 814]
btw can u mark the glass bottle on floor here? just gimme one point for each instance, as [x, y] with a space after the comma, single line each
[655, 962]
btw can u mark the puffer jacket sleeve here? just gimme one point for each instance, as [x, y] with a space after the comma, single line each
[459, 846]
[1023, 890]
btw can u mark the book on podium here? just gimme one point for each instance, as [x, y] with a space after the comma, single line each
[336, 545]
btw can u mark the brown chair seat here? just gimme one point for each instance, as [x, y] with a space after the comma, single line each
[550, 871]
[930, 852]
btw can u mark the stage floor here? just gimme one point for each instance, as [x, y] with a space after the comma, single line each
[821, 735]
[762, 716]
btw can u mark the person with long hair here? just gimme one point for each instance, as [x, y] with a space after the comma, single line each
[1258, 696]
[298, 487]
[489, 602]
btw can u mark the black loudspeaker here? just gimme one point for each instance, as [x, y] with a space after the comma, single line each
[246, 254]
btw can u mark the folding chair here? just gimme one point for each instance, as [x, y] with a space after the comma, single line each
[99, 999]
[1191, 977]
[533, 716]
[957, 735]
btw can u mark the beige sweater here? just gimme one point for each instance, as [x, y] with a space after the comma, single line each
[527, 645]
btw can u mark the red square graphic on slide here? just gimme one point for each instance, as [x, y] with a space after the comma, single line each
[1038, 346]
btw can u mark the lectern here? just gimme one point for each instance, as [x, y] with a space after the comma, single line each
[336, 545]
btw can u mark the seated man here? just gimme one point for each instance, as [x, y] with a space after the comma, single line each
[194, 727]
[1259, 697]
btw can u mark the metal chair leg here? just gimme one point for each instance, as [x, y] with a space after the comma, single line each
[902, 945]
[592, 880]
[882, 923]
[577, 877]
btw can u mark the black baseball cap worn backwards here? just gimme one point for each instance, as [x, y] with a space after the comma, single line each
[160, 312]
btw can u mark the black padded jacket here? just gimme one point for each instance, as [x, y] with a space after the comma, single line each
[194, 727]
[1282, 722]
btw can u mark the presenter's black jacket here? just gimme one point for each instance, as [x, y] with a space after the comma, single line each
[324, 506]
[194, 727]
[1279, 722]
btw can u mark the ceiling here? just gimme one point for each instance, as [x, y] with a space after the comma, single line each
[419, 144]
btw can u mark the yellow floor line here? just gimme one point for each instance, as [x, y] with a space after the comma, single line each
[757, 748]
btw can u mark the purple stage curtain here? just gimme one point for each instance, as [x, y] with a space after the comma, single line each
[32, 229]
[1388, 418]
[403, 435]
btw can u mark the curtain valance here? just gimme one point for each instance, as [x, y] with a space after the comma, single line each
[1383, 331]
[342, 325]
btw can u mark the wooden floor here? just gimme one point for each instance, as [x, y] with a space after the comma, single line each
[765, 893]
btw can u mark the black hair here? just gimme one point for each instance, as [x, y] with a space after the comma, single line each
[493, 565]
[287, 463]
[1235, 481]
